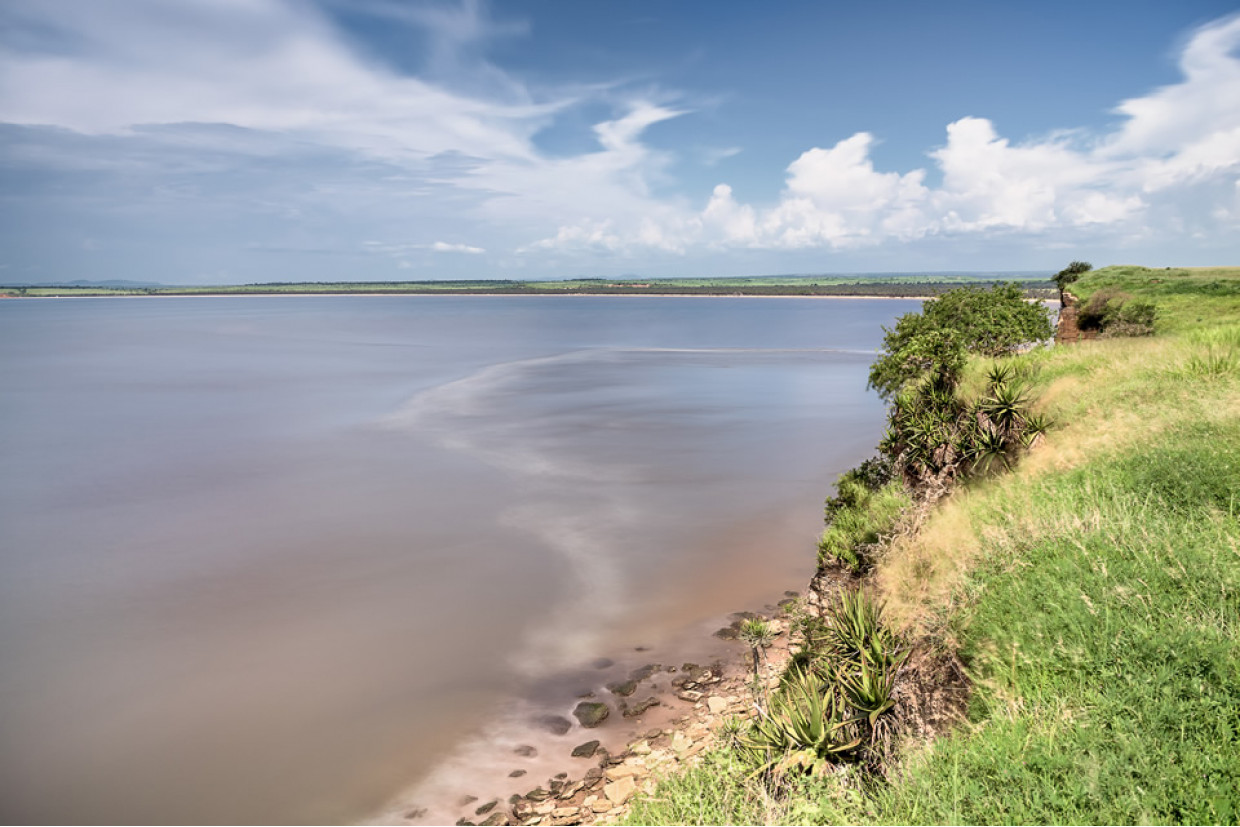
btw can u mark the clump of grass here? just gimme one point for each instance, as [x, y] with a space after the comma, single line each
[857, 526]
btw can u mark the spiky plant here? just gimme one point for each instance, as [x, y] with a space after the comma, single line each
[807, 728]
[1005, 406]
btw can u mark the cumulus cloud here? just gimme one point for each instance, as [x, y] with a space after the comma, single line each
[1172, 140]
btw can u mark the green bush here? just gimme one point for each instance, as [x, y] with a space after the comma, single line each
[859, 521]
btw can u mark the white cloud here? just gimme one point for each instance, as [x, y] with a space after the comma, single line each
[444, 247]
[1173, 139]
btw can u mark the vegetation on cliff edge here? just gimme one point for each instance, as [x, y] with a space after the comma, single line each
[1092, 592]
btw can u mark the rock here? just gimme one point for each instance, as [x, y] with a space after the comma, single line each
[563, 812]
[680, 742]
[593, 773]
[526, 751]
[538, 794]
[416, 812]
[677, 683]
[624, 771]
[467, 800]
[690, 695]
[585, 750]
[590, 714]
[619, 791]
[545, 809]
[571, 790]
[556, 724]
[464, 822]
[622, 688]
[652, 734]
[640, 748]
[603, 663]
[716, 705]
[727, 633]
[516, 773]
[601, 805]
[640, 707]
[644, 672]
[495, 820]
[689, 667]
[486, 808]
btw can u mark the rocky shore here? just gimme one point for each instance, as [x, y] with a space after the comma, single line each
[691, 700]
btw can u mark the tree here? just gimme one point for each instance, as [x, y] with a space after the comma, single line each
[1070, 274]
[937, 341]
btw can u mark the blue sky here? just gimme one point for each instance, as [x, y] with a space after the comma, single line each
[223, 141]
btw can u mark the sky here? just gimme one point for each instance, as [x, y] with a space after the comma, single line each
[236, 141]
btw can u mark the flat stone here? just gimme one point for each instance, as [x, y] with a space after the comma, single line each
[644, 672]
[680, 742]
[624, 771]
[556, 724]
[538, 794]
[486, 808]
[590, 714]
[622, 688]
[603, 663]
[495, 820]
[601, 805]
[690, 695]
[716, 705]
[526, 751]
[416, 812]
[545, 809]
[563, 812]
[585, 750]
[640, 707]
[467, 800]
[640, 748]
[516, 773]
[619, 791]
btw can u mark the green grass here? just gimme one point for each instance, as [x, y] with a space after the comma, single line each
[1093, 594]
[869, 516]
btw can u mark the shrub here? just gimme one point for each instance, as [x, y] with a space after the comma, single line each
[857, 526]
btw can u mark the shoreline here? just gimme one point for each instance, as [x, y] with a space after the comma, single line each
[481, 294]
[585, 775]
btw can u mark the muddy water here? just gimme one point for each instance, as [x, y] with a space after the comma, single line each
[277, 559]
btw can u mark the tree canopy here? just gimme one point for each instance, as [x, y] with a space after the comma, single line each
[936, 341]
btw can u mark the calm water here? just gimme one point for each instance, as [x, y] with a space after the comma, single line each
[274, 559]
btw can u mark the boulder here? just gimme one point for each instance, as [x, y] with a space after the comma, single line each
[619, 791]
[590, 714]
[640, 707]
[558, 724]
[622, 688]
[585, 750]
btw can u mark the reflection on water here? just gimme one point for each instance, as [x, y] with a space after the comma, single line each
[270, 559]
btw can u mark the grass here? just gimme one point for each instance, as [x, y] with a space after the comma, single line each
[1093, 594]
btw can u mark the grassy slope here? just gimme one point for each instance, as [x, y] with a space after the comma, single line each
[1094, 595]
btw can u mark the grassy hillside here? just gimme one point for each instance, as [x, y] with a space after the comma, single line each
[1093, 595]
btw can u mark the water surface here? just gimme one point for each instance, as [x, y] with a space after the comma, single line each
[271, 559]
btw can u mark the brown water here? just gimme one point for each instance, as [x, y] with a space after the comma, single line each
[275, 559]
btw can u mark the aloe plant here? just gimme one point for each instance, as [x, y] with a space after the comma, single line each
[807, 728]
